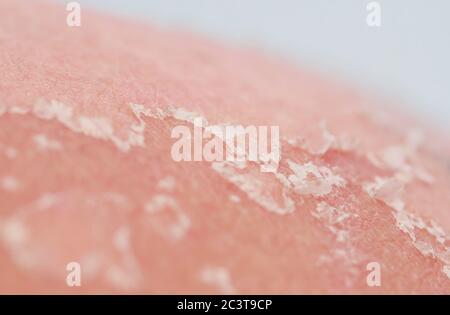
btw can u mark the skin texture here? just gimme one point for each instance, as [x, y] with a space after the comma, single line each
[85, 179]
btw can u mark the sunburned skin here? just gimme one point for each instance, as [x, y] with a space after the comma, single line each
[86, 173]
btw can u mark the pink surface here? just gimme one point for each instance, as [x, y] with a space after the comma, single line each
[76, 179]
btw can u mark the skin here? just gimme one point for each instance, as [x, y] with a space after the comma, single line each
[73, 192]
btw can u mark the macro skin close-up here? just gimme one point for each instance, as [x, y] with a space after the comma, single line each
[88, 180]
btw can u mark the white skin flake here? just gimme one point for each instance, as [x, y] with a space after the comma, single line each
[180, 114]
[167, 183]
[10, 183]
[185, 115]
[423, 175]
[390, 191]
[254, 188]
[91, 263]
[10, 153]
[330, 141]
[114, 261]
[179, 223]
[403, 159]
[14, 233]
[97, 127]
[334, 219]
[446, 270]
[102, 128]
[218, 277]
[330, 214]
[310, 179]
[53, 110]
[124, 276]
[437, 232]
[121, 239]
[121, 278]
[235, 198]
[425, 248]
[44, 143]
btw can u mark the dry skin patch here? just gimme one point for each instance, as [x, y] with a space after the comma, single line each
[86, 173]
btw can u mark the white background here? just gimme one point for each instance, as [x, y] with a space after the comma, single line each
[406, 59]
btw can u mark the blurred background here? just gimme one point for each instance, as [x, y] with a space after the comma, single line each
[406, 59]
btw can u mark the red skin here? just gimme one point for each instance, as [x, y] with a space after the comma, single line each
[106, 64]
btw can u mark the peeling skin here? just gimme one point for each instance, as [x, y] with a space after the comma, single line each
[128, 276]
[353, 185]
[328, 141]
[179, 223]
[390, 190]
[14, 233]
[333, 218]
[256, 188]
[446, 270]
[10, 153]
[44, 143]
[235, 198]
[330, 214]
[97, 127]
[310, 179]
[218, 277]
[31, 245]
[167, 183]
[10, 183]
